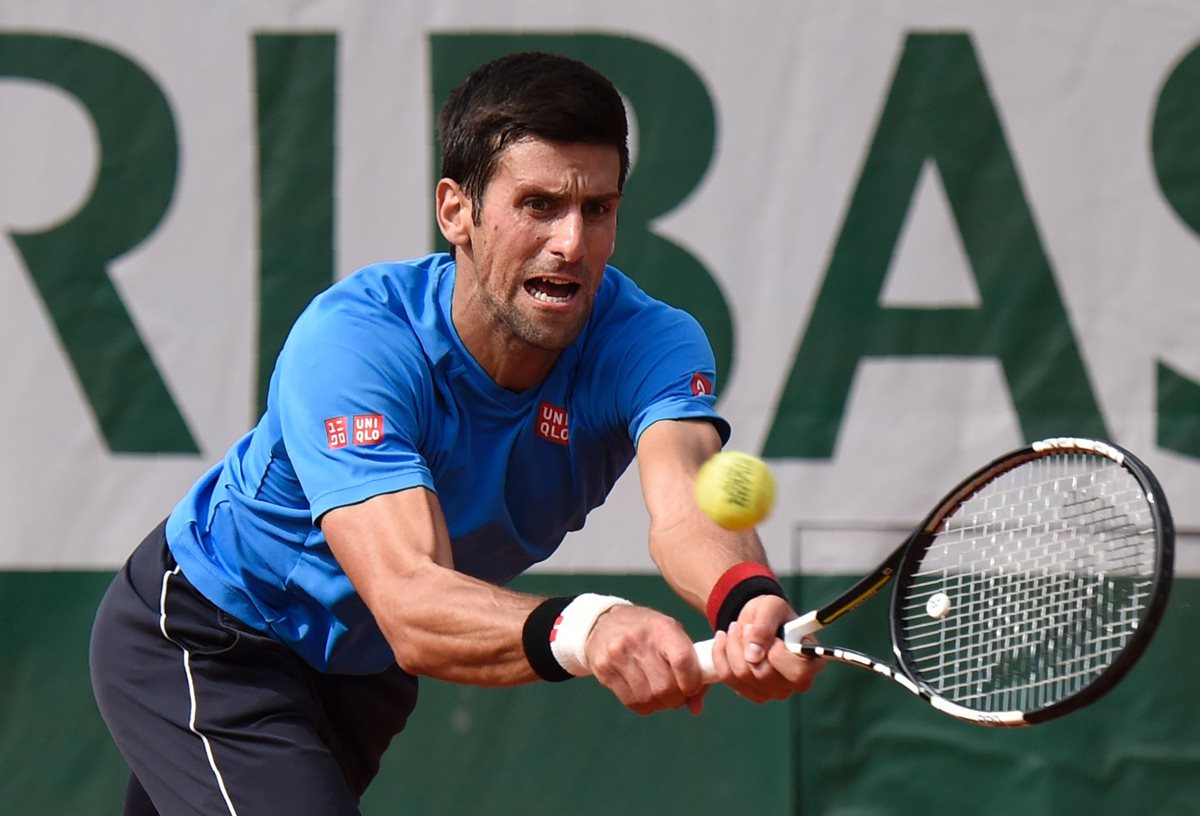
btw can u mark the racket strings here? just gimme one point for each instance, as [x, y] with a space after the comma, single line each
[1047, 571]
[1002, 654]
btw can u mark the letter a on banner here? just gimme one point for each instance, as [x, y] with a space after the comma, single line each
[938, 110]
[1177, 166]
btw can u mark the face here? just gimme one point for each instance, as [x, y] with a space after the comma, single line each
[528, 271]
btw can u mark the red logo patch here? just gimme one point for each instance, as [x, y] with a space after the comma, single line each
[701, 385]
[335, 431]
[552, 423]
[368, 429]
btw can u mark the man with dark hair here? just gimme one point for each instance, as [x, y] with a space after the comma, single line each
[525, 95]
[433, 428]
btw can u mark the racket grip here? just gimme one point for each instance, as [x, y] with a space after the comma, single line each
[708, 671]
[793, 633]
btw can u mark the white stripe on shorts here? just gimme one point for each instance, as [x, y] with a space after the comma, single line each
[187, 670]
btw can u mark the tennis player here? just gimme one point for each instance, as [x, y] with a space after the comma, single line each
[433, 428]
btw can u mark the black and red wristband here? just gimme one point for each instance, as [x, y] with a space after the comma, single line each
[735, 588]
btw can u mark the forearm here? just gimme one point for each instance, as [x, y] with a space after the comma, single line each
[443, 624]
[695, 555]
[692, 553]
[439, 622]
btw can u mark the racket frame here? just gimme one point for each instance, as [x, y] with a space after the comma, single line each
[906, 556]
[1159, 592]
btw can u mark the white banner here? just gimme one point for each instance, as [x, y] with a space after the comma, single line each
[1067, 173]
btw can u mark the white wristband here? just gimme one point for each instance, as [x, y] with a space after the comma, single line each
[571, 630]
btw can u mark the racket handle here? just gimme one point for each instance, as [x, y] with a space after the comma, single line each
[793, 633]
[708, 672]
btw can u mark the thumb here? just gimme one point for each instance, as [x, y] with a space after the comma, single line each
[757, 641]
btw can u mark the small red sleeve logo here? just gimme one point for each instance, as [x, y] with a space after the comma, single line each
[701, 385]
[335, 432]
[368, 429]
[552, 424]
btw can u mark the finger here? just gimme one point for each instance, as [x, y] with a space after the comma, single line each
[797, 670]
[762, 681]
[735, 652]
[685, 669]
[695, 703]
[758, 641]
[654, 683]
[651, 692]
[627, 682]
[754, 653]
[620, 688]
[664, 690]
[745, 675]
[719, 659]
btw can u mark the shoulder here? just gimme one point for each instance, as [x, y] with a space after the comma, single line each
[624, 311]
[629, 325]
[402, 289]
[386, 309]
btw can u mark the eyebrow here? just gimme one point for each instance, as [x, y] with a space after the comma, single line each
[534, 191]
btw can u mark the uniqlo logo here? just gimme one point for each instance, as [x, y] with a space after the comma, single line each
[335, 431]
[368, 429]
[552, 423]
[701, 385]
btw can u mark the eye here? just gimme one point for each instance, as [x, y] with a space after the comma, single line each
[597, 209]
[538, 206]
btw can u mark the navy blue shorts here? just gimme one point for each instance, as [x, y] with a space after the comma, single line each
[214, 717]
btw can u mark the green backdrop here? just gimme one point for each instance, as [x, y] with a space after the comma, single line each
[855, 746]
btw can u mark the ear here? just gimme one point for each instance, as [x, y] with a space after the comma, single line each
[454, 213]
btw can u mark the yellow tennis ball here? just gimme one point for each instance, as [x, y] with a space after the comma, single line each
[734, 489]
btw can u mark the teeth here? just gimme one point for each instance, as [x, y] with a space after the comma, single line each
[550, 291]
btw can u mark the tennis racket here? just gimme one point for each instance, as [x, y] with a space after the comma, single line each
[1027, 593]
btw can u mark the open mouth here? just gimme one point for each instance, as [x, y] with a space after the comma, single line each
[550, 291]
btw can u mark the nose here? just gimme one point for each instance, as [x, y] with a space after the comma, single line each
[567, 238]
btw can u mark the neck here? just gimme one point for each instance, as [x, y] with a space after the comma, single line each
[512, 363]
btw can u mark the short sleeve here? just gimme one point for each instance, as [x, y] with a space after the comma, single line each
[672, 376]
[655, 361]
[349, 386]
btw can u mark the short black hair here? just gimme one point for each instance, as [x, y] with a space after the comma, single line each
[531, 93]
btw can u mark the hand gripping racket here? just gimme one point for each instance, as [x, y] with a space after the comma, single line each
[1027, 593]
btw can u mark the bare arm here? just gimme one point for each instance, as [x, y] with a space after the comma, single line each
[692, 552]
[396, 551]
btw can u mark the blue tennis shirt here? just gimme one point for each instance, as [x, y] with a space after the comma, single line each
[374, 393]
